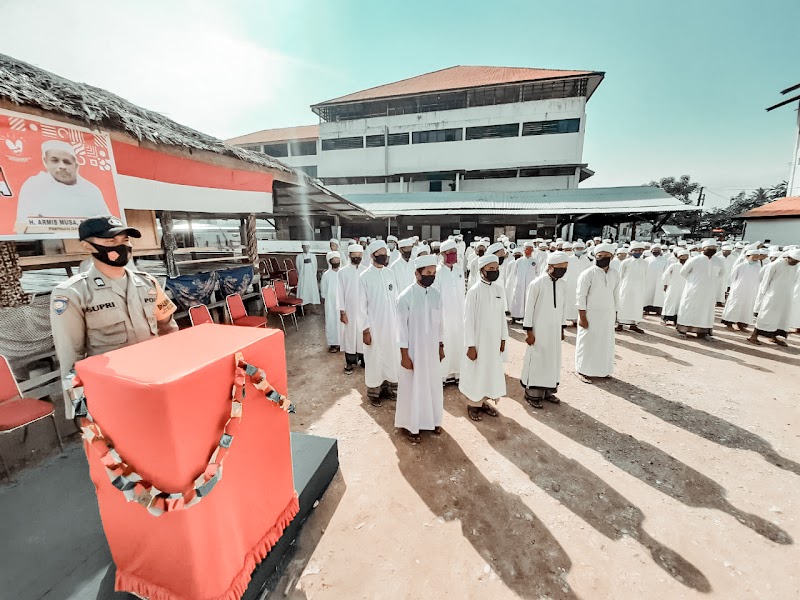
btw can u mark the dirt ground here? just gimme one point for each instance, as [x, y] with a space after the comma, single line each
[678, 478]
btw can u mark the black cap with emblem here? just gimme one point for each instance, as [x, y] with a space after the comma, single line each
[105, 227]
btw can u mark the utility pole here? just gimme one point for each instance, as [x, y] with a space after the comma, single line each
[700, 201]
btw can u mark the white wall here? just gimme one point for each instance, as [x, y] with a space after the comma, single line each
[517, 184]
[782, 232]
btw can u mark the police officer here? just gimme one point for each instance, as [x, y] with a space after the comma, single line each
[109, 306]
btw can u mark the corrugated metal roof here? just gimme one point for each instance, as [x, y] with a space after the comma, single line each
[634, 199]
[281, 134]
[783, 207]
[456, 78]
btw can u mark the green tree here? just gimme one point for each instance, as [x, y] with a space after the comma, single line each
[681, 188]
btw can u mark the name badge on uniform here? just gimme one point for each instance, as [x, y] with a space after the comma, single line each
[307, 261]
[99, 282]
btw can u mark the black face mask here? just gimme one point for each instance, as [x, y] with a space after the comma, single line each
[406, 254]
[491, 275]
[426, 280]
[603, 262]
[710, 251]
[558, 272]
[123, 250]
[335, 265]
[480, 252]
[381, 259]
[500, 259]
[356, 260]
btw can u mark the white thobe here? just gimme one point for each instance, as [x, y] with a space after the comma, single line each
[741, 301]
[42, 196]
[307, 286]
[485, 326]
[511, 279]
[675, 283]
[632, 273]
[725, 276]
[467, 258]
[598, 295]
[420, 328]
[696, 309]
[474, 271]
[379, 315]
[394, 255]
[794, 318]
[615, 263]
[654, 290]
[329, 290]
[404, 273]
[774, 300]
[450, 283]
[349, 301]
[544, 314]
[527, 270]
[577, 265]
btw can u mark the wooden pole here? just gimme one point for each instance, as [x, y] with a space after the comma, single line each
[11, 293]
[169, 244]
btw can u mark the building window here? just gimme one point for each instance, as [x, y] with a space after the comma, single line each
[491, 174]
[398, 139]
[548, 127]
[436, 135]
[310, 170]
[347, 143]
[375, 141]
[343, 180]
[376, 179]
[435, 186]
[547, 172]
[303, 148]
[493, 131]
[276, 150]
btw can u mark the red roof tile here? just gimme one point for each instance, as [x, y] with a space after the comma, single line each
[454, 78]
[277, 135]
[783, 207]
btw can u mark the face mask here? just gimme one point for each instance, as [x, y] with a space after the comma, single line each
[580, 252]
[501, 259]
[381, 259]
[356, 260]
[491, 275]
[392, 246]
[710, 251]
[450, 259]
[683, 260]
[406, 254]
[656, 252]
[335, 265]
[480, 251]
[426, 280]
[123, 254]
[603, 262]
[558, 272]
[636, 254]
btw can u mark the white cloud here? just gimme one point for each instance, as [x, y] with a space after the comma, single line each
[189, 60]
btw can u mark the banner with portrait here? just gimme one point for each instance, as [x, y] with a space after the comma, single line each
[52, 176]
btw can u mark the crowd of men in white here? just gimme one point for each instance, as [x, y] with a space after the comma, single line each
[418, 317]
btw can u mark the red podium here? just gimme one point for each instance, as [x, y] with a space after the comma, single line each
[163, 404]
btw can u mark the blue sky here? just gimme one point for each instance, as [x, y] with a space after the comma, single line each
[685, 90]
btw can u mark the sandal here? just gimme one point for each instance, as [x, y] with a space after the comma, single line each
[376, 402]
[552, 398]
[780, 343]
[489, 410]
[534, 402]
[583, 378]
[348, 370]
[437, 431]
[414, 438]
[636, 329]
[474, 413]
[752, 341]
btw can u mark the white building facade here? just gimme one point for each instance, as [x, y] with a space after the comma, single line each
[460, 129]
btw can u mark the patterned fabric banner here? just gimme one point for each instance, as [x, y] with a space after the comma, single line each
[189, 290]
[235, 281]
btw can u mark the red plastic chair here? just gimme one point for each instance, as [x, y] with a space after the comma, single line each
[285, 299]
[199, 314]
[273, 307]
[275, 270]
[292, 279]
[17, 412]
[289, 265]
[238, 313]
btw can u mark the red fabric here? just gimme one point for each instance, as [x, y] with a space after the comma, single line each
[163, 403]
[149, 164]
[15, 413]
[235, 306]
[199, 315]
[250, 321]
[282, 310]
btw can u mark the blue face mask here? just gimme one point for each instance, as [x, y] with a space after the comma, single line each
[636, 254]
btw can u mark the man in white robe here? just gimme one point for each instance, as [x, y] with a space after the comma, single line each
[579, 262]
[329, 291]
[378, 323]
[527, 270]
[632, 274]
[349, 302]
[337, 247]
[544, 316]
[403, 266]
[654, 290]
[598, 299]
[794, 319]
[394, 251]
[420, 334]
[461, 247]
[307, 286]
[696, 310]
[774, 300]
[673, 283]
[511, 276]
[741, 301]
[474, 270]
[485, 335]
[728, 259]
[500, 251]
[450, 283]
[619, 255]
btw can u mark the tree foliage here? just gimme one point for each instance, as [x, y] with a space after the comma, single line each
[725, 218]
[681, 188]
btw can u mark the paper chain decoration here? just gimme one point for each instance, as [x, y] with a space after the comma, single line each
[157, 502]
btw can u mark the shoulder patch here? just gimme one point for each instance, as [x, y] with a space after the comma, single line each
[60, 304]
[99, 282]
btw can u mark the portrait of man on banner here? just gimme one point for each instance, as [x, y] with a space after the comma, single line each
[59, 190]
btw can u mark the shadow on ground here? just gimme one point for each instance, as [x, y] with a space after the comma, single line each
[523, 553]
